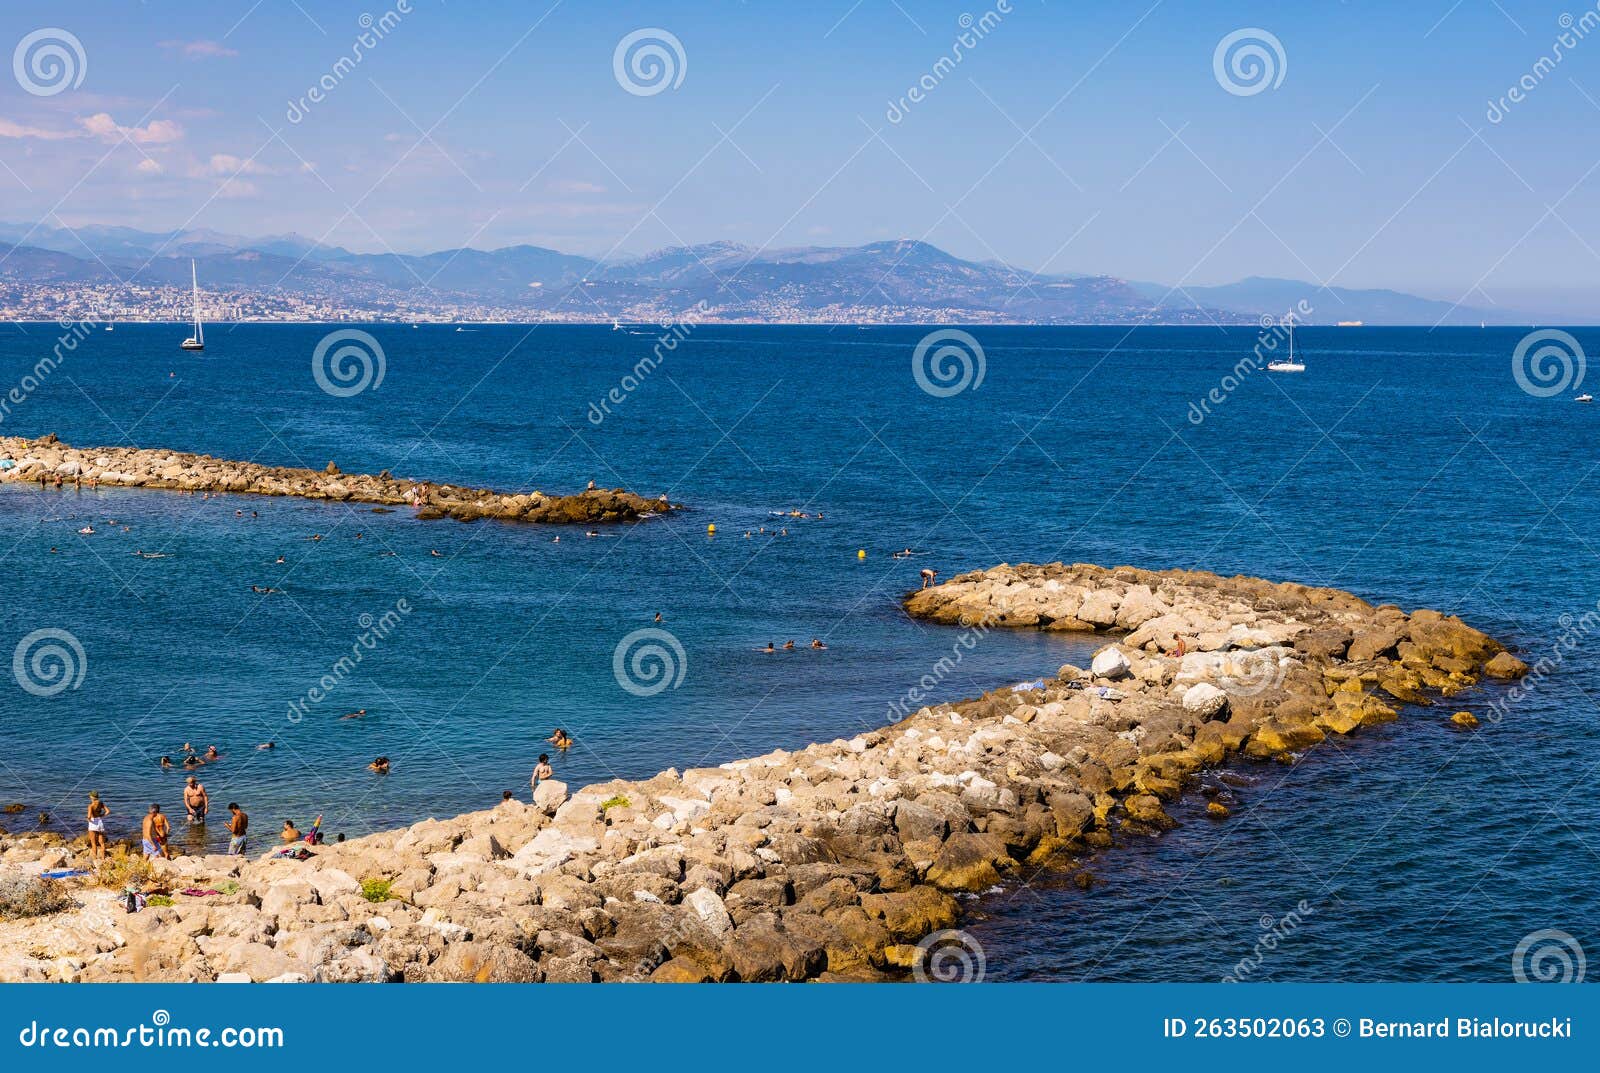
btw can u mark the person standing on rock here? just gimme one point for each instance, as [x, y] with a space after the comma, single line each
[97, 826]
[196, 800]
[238, 824]
[542, 770]
[157, 831]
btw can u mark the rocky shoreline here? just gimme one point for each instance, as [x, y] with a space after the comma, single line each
[840, 861]
[46, 460]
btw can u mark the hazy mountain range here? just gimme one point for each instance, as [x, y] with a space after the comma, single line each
[898, 280]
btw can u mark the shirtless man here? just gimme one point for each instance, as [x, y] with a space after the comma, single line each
[928, 576]
[156, 833]
[196, 800]
[238, 824]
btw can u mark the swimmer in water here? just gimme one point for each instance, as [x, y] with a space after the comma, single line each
[815, 643]
[379, 766]
[358, 714]
[266, 745]
[87, 530]
[591, 533]
[435, 553]
[768, 649]
[278, 561]
[316, 536]
[658, 616]
[557, 540]
[788, 646]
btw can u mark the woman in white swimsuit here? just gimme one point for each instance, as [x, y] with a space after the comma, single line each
[97, 826]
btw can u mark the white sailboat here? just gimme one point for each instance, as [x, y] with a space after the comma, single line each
[615, 326]
[197, 341]
[1287, 365]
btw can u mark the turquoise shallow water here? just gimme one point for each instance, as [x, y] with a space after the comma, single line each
[1404, 465]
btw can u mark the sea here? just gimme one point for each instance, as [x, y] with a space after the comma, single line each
[1449, 468]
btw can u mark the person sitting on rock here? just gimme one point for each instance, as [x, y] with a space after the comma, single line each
[542, 770]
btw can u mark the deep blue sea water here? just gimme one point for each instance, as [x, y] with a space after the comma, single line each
[1405, 465]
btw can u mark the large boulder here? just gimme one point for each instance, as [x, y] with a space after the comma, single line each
[1109, 662]
[1205, 700]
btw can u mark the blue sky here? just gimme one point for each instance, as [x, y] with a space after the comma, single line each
[1074, 137]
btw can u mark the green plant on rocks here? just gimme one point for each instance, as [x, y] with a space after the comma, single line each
[377, 890]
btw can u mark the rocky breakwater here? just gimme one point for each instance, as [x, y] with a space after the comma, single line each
[842, 860]
[47, 460]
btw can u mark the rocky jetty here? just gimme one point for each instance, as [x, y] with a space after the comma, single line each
[46, 460]
[842, 860]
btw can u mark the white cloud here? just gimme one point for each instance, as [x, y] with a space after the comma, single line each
[238, 188]
[10, 129]
[200, 50]
[148, 167]
[157, 132]
[228, 164]
[576, 186]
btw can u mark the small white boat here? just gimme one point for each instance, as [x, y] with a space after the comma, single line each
[1287, 365]
[197, 341]
[1584, 398]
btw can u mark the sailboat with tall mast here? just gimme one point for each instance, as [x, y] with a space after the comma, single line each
[197, 341]
[1289, 364]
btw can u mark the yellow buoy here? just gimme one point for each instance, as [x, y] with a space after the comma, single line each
[711, 528]
[861, 553]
